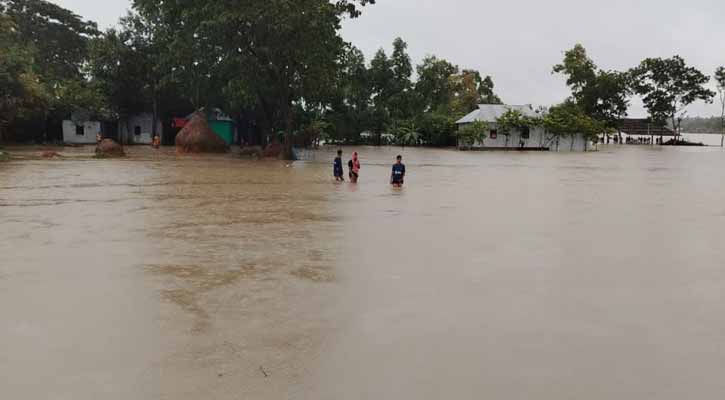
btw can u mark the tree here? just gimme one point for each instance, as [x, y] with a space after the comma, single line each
[602, 95]
[59, 37]
[470, 134]
[668, 86]
[58, 41]
[283, 53]
[407, 133]
[508, 122]
[434, 85]
[569, 120]
[720, 80]
[20, 92]
[470, 90]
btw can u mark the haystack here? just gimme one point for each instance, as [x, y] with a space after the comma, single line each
[109, 148]
[274, 149]
[197, 137]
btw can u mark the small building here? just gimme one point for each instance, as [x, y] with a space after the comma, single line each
[81, 130]
[643, 130]
[138, 129]
[526, 138]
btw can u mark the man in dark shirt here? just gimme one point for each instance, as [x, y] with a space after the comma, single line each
[397, 178]
[337, 169]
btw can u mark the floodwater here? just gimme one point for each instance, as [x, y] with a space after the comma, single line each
[500, 275]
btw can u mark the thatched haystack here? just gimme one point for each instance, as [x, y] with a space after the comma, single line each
[50, 154]
[197, 137]
[273, 150]
[109, 148]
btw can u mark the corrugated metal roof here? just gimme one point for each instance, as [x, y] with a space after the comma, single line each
[492, 112]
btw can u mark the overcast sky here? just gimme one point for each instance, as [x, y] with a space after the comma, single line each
[518, 42]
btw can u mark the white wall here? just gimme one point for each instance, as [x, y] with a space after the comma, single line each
[90, 130]
[126, 129]
[537, 139]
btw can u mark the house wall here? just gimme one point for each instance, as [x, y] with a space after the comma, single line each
[127, 127]
[90, 130]
[537, 139]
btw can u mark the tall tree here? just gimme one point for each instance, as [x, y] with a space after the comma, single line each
[471, 89]
[434, 86]
[668, 86]
[58, 39]
[602, 95]
[720, 80]
[59, 36]
[20, 92]
[284, 52]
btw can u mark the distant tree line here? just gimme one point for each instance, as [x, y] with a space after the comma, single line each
[282, 70]
[278, 67]
[667, 87]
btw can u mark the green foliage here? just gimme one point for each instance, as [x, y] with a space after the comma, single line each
[602, 95]
[508, 122]
[437, 128]
[470, 90]
[569, 120]
[470, 134]
[668, 86]
[406, 133]
[58, 36]
[20, 91]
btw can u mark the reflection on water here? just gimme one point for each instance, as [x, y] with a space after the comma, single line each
[504, 275]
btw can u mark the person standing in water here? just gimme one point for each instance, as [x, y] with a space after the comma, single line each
[337, 168]
[397, 177]
[354, 166]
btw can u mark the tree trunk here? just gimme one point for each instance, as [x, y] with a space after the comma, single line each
[288, 152]
[155, 117]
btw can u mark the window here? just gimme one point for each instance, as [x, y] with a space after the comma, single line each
[525, 132]
[493, 134]
[137, 131]
[80, 130]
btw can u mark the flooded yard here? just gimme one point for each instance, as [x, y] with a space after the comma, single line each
[490, 275]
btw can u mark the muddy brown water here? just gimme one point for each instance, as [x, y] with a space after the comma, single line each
[491, 275]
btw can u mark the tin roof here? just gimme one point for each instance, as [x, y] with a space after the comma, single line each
[492, 112]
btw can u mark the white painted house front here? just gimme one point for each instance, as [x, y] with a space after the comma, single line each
[138, 129]
[81, 132]
[531, 138]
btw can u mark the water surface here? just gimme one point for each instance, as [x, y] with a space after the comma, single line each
[501, 275]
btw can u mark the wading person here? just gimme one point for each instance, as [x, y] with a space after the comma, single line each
[397, 177]
[354, 166]
[337, 167]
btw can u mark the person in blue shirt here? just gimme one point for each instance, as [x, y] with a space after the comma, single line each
[337, 169]
[397, 177]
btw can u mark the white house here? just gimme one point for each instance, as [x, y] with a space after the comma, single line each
[532, 138]
[138, 129]
[80, 132]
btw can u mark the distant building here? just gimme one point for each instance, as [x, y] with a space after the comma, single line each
[531, 138]
[80, 129]
[138, 129]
